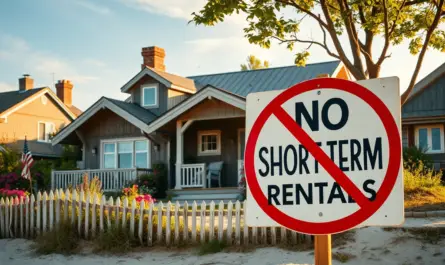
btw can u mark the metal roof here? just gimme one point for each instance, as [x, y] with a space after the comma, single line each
[137, 111]
[427, 80]
[244, 82]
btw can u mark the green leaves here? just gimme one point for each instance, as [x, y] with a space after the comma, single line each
[301, 58]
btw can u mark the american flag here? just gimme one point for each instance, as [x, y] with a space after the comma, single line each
[27, 161]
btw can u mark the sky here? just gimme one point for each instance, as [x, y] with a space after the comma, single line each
[97, 43]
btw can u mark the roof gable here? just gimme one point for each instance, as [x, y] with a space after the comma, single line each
[244, 82]
[13, 100]
[427, 80]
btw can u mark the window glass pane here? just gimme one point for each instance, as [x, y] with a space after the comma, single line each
[109, 148]
[109, 161]
[125, 160]
[141, 160]
[423, 139]
[125, 147]
[435, 139]
[141, 145]
[42, 132]
[149, 96]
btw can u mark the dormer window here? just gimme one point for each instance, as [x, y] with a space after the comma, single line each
[150, 96]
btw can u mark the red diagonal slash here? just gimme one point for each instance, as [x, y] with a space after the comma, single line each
[329, 165]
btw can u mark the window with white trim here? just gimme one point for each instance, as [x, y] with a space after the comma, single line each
[126, 153]
[45, 130]
[430, 138]
[209, 142]
[150, 96]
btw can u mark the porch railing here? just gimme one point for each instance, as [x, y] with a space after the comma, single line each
[112, 179]
[193, 175]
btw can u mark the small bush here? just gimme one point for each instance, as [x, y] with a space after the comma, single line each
[413, 157]
[421, 177]
[115, 240]
[211, 247]
[62, 240]
[343, 257]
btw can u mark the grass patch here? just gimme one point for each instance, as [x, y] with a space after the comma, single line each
[115, 240]
[62, 240]
[424, 190]
[432, 235]
[211, 247]
[342, 257]
[343, 238]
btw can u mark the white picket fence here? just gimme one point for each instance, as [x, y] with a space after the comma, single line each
[161, 224]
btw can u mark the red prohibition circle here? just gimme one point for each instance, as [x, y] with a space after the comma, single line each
[363, 213]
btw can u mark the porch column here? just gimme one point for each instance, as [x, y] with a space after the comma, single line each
[178, 155]
[180, 129]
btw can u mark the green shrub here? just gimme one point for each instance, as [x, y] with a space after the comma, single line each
[9, 160]
[115, 240]
[414, 156]
[161, 180]
[62, 240]
[211, 247]
[421, 177]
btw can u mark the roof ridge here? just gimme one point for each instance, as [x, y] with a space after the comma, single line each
[263, 69]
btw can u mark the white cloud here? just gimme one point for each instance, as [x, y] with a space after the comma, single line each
[103, 10]
[6, 87]
[39, 63]
[172, 8]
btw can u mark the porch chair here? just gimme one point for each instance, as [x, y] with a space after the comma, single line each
[214, 173]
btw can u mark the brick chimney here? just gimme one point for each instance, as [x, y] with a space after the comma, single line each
[26, 83]
[64, 92]
[153, 57]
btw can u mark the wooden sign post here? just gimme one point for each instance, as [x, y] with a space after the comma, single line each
[322, 252]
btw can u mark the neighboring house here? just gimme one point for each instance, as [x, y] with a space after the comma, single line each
[184, 122]
[35, 113]
[423, 116]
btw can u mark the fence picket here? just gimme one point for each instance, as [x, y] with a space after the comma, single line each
[57, 198]
[220, 220]
[159, 232]
[109, 212]
[185, 220]
[65, 205]
[229, 222]
[254, 235]
[117, 213]
[39, 212]
[273, 235]
[194, 207]
[264, 235]
[101, 213]
[283, 237]
[150, 225]
[73, 207]
[133, 209]
[245, 228]
[203, 222]
[237, 223]
[141, 221]
[31, 221]
[167, 224]
[2, 218]
[124, 213]
[7, 217]
[79, 215]
[294, 237]
[87, 215]
[177, 206]
[22, 228]
[44, 212]
[93, 215]
[11, 214]
[51, 210]
[212, 221]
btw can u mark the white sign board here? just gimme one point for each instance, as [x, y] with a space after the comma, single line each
[324, 156]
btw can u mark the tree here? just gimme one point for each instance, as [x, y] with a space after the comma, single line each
[254, 63]
[395, 21]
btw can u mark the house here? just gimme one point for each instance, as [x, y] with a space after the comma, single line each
[184, 122]
[35, 113]
[423, 116]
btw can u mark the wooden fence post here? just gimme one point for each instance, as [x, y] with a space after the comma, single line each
[237, 223]
[150, 225]
[203, 222]
[229, 223]
[194, 208]
[31, 221]
[212, 221]
[186, 222]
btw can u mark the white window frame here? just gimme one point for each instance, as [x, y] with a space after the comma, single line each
[241, 130]
[430, 139]
[102, 156]
[119, 140]
[150, 86]
[132, 152]
[217, 133]
[47, 125]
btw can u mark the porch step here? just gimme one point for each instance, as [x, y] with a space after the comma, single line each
[207, 195]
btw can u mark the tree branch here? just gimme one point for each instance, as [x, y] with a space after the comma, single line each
[429, 33]
[311, 42]
[304, 10]
[386, 26]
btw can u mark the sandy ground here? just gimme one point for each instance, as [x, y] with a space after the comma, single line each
[372, 246]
